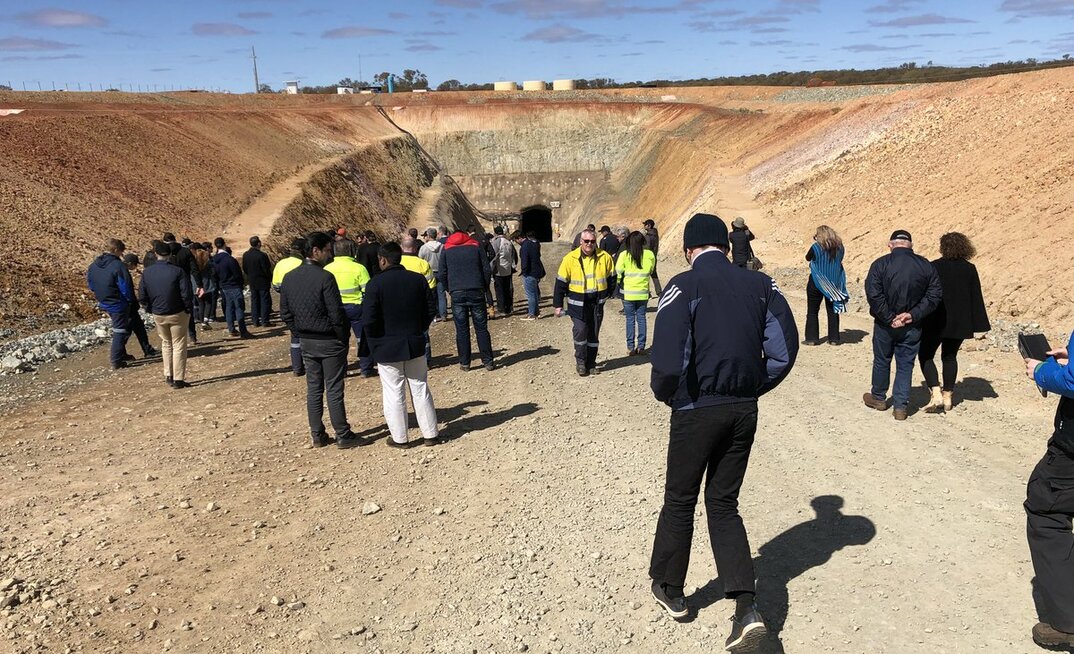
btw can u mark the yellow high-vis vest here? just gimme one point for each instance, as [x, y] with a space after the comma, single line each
[351, 277]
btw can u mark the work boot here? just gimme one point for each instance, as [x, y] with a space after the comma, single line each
[899, 413]
[948, 399]
[321, 440]
[747, 632]
[582, 370]
[1049, 637]
[936, 403]
[873, 403]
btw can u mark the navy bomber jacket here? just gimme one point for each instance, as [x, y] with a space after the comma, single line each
[723, 335]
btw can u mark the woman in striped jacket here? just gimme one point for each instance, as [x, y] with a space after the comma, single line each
[827, 283]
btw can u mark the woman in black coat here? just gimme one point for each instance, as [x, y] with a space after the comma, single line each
[960, 315]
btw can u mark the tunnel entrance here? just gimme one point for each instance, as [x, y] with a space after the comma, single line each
[537, 219]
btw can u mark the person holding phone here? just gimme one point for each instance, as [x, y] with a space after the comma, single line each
[1049, 508]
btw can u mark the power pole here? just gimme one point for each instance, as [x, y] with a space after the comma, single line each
[257, 84]
[361, 81]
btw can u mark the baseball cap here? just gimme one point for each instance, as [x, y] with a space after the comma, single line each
[901, 235]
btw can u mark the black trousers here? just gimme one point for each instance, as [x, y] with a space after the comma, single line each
[586, 333]
[260, 306]
[814, 298]
[1049, 509]
[297, 365]
[326, 368]
[712, 443]
[505, 293]
[948, 348]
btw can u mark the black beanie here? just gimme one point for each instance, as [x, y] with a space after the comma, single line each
[704, 229]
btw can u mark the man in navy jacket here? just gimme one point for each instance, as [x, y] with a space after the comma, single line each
[229, 276]
[464, 270]
[724, 337]
[165, 292]
[397, 310]
[113, 287]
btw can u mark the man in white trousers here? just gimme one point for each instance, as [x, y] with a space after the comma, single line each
[397, 310]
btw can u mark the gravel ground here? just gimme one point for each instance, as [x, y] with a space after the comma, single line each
[836, 93]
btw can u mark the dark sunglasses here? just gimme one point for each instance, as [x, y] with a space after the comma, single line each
[589, 240]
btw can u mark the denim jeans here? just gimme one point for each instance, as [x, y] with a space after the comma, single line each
[354, 314]
[532, 286]
[260, 306]
[903, 345]
[441, 301]
[234, 309]
[464, 305]
[634, 310]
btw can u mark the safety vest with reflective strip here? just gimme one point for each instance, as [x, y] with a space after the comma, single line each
[351, 277]
[634, 279]
[284, 266]
[414, 263]
[584, 280]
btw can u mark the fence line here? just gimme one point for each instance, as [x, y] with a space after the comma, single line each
[123, 87]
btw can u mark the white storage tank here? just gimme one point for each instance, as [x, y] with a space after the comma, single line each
[563, 85]
[505, 86]
[534, 85]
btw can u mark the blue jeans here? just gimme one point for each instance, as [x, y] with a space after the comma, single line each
[902, 344]
[260, 306]
[441, 301]
[634, 310]
[234, 309]
[354, 314]
[464, 305]
[121, 332]
[532, 286]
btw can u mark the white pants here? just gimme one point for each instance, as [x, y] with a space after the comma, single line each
[393, 380]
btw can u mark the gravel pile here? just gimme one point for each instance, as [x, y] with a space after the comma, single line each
[27, 354]
[836, 93]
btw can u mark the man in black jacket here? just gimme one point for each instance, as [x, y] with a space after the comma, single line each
[740, 341]
[229, 276]
[368, 252]
[464, 270]
[184, 258]
[397, 310]
[258, 269]
[165, 292]
[902, 288]
[310, 305]
[652, 242]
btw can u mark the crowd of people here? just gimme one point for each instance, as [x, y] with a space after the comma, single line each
[724, 336]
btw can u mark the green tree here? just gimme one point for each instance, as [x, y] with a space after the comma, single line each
[450, 85]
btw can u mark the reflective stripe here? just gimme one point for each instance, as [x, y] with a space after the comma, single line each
[297, 346]
[577, 303]
[593, 344]
[344, 291]
[120, 331]
[634, 274]
[561, 279]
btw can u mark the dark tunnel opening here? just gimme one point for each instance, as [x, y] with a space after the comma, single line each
[537, 219]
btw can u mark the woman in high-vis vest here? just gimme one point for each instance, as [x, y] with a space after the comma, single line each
[634, 267]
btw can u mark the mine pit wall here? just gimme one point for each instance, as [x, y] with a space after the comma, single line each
[375, 188]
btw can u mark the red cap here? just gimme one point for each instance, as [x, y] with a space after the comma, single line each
[342, 231]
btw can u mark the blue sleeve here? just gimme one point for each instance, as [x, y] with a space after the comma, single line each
[125, 284]
[672, 343]
[1056, 378]
[780, 340]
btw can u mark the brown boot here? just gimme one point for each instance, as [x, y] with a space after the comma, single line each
[948, 400]
[873, 403]
[936, 403]
[899, 414]
[1049, 637]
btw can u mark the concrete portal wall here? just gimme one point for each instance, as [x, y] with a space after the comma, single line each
[514, 192]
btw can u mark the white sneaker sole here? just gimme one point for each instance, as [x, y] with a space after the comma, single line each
[750, 640]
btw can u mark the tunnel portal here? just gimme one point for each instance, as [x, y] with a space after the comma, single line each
[537, 219]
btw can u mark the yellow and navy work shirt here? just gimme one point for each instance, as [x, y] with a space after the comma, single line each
[284, 266]
[414, 263]
[584, 281]
[634, 279]
[351, 277]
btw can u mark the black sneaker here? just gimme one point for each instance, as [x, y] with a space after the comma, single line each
[674, 606]
[119, 364]
[465, 367]
[246, 334]
[169, 381]
[298, 373]
[347, 442]
[179, 383]
[490, 366]
[747, 632]
[582, 370]
[321, 440]
[151, 352]
[367, 374]
[399, 446]
[430, 442]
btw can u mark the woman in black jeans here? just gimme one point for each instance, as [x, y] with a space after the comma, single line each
[827, 283]
[959, 316]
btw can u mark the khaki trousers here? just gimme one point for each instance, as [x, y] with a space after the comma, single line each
[173, 330]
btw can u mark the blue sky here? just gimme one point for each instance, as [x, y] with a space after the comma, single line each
[207, 44]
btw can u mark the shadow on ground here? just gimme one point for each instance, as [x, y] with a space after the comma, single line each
[791, 554]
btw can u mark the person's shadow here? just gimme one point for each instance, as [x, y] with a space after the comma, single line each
[789, 555]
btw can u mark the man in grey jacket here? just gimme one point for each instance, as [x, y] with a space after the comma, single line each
[504, 263]
[431, 251]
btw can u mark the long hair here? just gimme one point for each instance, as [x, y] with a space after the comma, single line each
[201, 258]
[635, 244]
[956, 245]
[829, 240]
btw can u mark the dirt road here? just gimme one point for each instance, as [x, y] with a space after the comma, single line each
[529, 531]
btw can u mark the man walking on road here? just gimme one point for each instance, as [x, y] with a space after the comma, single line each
[902, 288]
[165, 292]
[586, 280]
[229, 276]
[258, 269]
[283, 266]
[111, 283]
[137, 325]
[724, 337]
[310, 306]
[431, 252]
[398, 309]
[1049, 508]
[464, 270]
[532, 270]
[352, 277]
[504, 263]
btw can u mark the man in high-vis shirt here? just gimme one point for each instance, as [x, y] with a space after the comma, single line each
[352, 278]
[586, 280]
[283, 266]
[414, 263]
